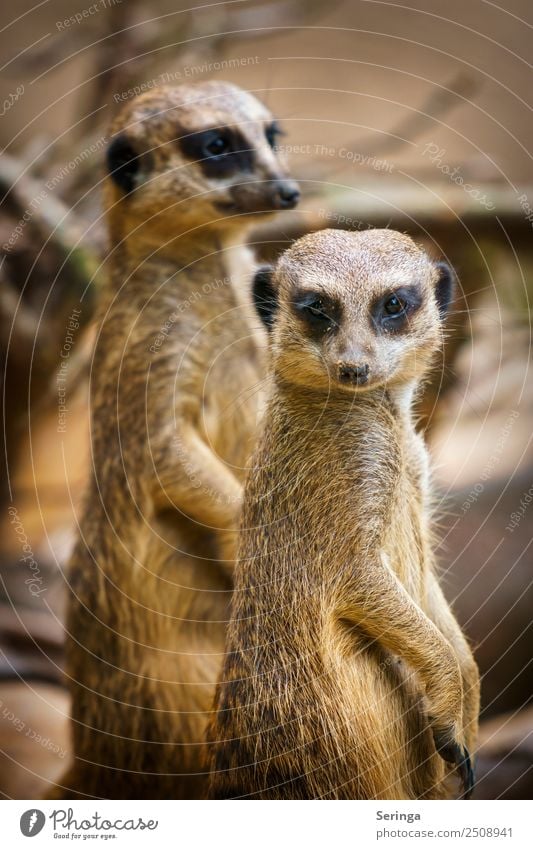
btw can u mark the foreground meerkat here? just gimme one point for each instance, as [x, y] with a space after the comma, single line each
[346, 674]
[175, 393]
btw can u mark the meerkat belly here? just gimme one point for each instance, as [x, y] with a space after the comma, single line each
[381, 714]
[328, 718]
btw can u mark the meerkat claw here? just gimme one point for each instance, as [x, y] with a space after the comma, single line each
[466, 772]
[451, 752]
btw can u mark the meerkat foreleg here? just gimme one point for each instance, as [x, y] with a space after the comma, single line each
[380, 605]
[197, 483]
[441, 614]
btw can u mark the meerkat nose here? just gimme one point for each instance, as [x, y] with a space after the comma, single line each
[288, 194]
[357, 374]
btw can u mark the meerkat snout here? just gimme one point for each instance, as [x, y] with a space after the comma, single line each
[252, 194]
[356, 374]
[287, 194]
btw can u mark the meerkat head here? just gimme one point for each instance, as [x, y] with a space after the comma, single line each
[354, 311]
[203, 154]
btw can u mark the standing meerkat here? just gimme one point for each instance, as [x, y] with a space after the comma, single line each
[346, 673]
[175, 389]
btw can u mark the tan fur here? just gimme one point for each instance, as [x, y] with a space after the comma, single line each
[175, 391]
[342, 656]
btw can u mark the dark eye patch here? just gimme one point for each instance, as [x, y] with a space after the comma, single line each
[320, 312]
[219, 152]
[123, 163]
[444, 288]
[391, 312]
[272, 133]
[265, 296]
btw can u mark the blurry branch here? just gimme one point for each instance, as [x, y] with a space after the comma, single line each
[436, 107]
[267, 15]
[16, 320]
[126, 37]
[129, 51]
[42, 276]
[51, 227]
[44, 273]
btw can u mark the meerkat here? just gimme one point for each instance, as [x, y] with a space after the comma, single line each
[346, 673]
[175, 394]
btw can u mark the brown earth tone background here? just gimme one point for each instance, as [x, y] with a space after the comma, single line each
[387, 107]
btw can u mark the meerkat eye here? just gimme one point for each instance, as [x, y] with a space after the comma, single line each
[320, 313]
[216, 146]
[391, 312]
[394, 305]
[316, 309]
[272, 132]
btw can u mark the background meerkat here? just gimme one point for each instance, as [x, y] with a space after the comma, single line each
[338, 623]
[175, 388]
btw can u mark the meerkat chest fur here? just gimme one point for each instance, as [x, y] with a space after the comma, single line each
[352, 493]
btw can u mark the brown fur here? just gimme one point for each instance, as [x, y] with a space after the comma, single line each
[345, 666]
[175, 390]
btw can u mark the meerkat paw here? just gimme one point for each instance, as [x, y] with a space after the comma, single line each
[458, 756]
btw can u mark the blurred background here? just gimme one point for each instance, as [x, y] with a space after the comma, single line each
[411, 115]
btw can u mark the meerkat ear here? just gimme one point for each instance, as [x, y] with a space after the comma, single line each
[123, 163]
[444, 289]
[265, 295]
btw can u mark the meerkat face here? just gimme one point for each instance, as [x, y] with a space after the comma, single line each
[203, 154]
[354, 311]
